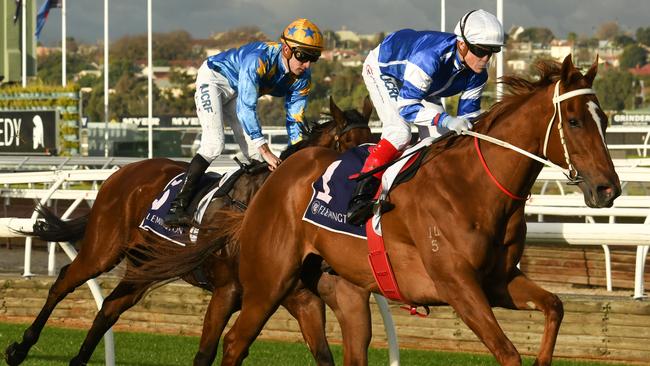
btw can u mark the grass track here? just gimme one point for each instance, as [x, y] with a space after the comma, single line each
[56, 346]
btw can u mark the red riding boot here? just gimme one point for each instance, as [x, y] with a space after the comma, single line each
[360, 206]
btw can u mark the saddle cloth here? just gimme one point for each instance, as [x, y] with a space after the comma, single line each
[333, 190]
[332, 193]
[153, 220]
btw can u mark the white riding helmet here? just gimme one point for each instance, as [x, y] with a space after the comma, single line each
[478, 27]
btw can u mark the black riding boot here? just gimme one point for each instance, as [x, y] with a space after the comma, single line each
[178, 215]
[360, 207]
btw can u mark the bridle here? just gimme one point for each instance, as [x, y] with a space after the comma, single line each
[571, 173]
[344, 130]
[349, 126]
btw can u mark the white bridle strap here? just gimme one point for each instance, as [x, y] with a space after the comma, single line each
[557, 98]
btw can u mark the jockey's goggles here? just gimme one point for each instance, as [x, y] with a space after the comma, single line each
[481, 51]
[305, 56]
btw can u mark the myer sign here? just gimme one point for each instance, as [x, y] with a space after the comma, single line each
[163, 121]
[631, 120]
[28, 132]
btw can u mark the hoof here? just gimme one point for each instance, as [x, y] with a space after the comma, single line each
[75, 362]
[14, 355]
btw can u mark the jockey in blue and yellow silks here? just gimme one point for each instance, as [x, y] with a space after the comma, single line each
[228, 86]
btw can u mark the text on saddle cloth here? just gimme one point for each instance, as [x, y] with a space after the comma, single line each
[333, 190]
[153, 220]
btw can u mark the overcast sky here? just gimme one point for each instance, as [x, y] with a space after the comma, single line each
[203, 17]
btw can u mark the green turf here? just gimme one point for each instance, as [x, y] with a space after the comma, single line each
[56, 346]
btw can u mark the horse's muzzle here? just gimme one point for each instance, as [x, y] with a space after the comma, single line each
[600, 195]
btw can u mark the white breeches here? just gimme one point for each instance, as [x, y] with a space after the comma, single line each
[384, 92]
[216, 103]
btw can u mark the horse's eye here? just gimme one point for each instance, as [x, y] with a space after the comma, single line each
[574, 122]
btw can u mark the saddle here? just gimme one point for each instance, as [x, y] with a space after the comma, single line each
[223, 187]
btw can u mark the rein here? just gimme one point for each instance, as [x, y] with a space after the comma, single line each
[571, 173]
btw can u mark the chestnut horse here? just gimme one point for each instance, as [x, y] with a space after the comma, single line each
[110, 232]
[454, 236]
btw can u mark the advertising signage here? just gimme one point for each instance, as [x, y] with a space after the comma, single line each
[629, 119]
[28, 132]
[163, 121]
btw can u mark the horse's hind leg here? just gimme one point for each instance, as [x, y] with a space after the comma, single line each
[264, 287]
[524, 294]
[309, 311]
[224, 302]
[124, 296]
[70, 277]
[351, 307]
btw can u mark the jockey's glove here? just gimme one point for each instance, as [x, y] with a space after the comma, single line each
[456, 124]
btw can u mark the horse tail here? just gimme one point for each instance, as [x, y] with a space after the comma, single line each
[53, 228]
[157, 262]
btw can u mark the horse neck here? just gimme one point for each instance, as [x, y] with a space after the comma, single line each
[524, 127]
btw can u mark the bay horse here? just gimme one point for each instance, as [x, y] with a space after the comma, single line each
[111, 232]
[454, 237]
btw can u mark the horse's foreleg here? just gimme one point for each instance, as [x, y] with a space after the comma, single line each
[351, 307]
[460, 288]
[524, 294]
[124, 296]
[224, 302]
[309, 311]
[70, 277]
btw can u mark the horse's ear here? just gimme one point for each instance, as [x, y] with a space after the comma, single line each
[591, 73]
[336, 112]
[567, 69]
[367, 108]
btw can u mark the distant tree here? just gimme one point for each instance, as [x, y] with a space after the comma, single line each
[129, 98]
[238, 36]
[572, 37]
[176, 45]
[615, 89]
[331, 39]
[131, 47]
[633, 55]
[587, 42]
[50, 68]
[623, 40]
[71, 45]
[643, 35]
[380, 37]
[536, 35]
[178, 100]
[608, 30]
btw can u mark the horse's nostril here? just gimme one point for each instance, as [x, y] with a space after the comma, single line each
[606, 192]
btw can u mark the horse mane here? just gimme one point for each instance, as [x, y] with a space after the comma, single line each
[517, 90]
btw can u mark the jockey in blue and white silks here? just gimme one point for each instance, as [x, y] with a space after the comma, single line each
[228, 86]
[409, 73]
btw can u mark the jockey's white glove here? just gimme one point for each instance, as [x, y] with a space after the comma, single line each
[456, 124]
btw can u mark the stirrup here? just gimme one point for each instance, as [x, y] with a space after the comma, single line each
[177, 216]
